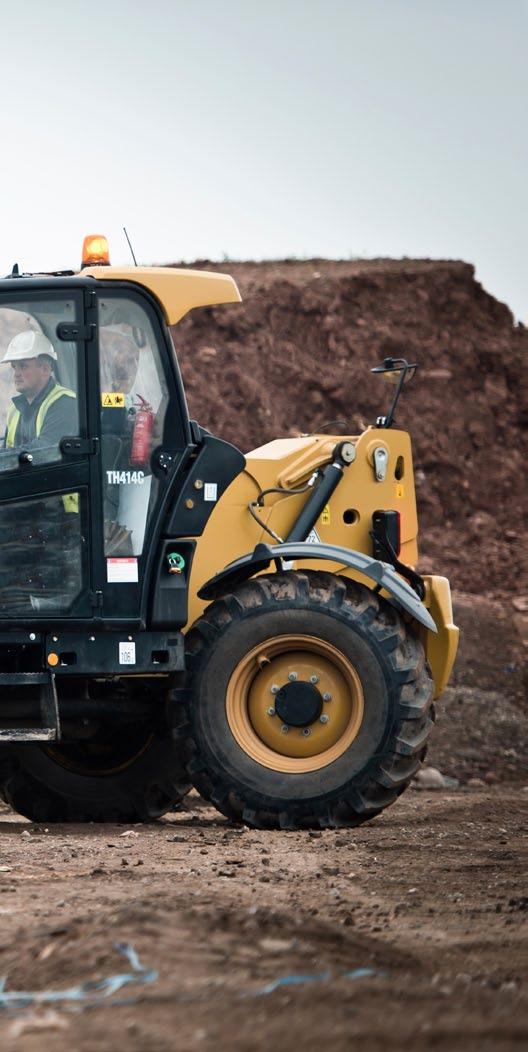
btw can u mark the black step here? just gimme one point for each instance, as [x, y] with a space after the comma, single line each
[28, 679]
[28, 734]
[49, 710]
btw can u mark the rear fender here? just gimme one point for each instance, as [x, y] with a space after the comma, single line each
[380, 573]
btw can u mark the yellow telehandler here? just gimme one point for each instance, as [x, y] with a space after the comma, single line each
[175, 613]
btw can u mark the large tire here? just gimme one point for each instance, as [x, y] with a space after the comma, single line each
[137, 781]
[352, 637]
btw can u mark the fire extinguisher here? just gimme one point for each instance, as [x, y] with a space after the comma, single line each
[142, 433]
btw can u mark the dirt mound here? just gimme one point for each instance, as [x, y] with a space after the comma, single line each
[299, 351]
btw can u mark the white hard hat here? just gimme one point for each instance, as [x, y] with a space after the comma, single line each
[28, 344]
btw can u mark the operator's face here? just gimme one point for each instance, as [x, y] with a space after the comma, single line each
[30, 376]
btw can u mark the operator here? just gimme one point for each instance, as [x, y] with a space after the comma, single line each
[43, 411]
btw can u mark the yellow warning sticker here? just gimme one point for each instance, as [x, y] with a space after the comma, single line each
[325, 516]
[112, 400]
[400, 490]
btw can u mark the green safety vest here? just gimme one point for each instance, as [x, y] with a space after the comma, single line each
[69, 500]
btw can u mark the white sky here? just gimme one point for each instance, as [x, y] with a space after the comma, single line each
[267, 128]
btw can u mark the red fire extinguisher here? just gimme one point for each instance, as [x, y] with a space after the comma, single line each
[142, 434]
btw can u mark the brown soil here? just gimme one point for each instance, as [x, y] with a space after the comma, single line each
[298, 352]
[431, 897]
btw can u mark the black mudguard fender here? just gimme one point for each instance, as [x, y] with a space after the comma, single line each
[382, 574]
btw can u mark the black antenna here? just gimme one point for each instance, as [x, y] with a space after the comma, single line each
[130, 246]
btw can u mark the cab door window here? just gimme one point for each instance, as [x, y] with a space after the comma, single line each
[134, 400]
[38, 382]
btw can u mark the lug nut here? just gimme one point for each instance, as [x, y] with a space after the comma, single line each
[306, 732]
[292, 676]
[324, 719]
[327, 697]
[275, 689]
[314, 679]
[271, 711]
[285, 728]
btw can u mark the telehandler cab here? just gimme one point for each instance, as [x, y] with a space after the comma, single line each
[174, 613]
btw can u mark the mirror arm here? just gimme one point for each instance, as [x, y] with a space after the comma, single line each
[390, 415]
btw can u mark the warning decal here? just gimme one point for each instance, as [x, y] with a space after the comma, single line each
[121, 571]
[112, 400]
[400, 490]
[313, 537]
[325, 516]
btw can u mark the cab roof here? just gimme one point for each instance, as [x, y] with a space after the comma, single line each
[177, 290]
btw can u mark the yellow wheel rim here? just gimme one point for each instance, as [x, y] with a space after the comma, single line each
[257, 682]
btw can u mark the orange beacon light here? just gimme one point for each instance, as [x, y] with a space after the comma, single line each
[95, 251]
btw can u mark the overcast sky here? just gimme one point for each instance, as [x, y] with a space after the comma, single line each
[267, 128]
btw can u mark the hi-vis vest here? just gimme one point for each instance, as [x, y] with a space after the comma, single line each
[69, 500]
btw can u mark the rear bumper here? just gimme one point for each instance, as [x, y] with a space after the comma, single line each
[440, 648]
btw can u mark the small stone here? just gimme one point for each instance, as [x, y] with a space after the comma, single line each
[271, 945]
[37, 1022]
[429, 778]
[451, 783]
[475, 783]
[129, 833]
[520, 602]
[508, 987]
[206, 352]
[491, 778]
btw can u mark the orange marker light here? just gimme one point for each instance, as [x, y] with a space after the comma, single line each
[95, 251]
[53, 659]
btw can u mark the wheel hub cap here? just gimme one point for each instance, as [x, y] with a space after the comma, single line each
[298, 704]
